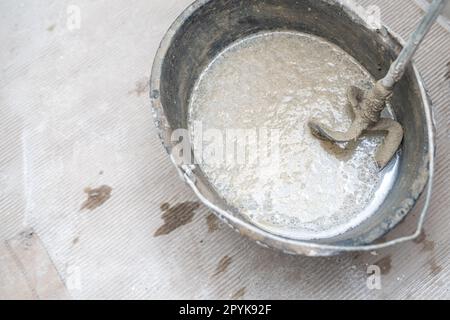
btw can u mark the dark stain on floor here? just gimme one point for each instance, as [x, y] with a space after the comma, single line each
[447, 74]
[213, 222]
[385, 264]
[76, 240]
[51, 28]
[421, 238]
[96, 197]
[239, 294]
[428, 245]
[223, 265]
[141, 87]
[381, 240]
[356, 255]
[177, 216]
[435, 268]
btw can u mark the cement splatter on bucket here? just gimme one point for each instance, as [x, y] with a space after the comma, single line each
[255, 67]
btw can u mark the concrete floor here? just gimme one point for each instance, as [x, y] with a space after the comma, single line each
[75, 114]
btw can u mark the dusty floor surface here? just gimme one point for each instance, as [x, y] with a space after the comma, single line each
[75, 116]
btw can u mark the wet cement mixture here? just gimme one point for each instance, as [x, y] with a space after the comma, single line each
[277, 82]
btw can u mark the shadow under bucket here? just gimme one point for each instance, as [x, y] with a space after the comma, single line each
[208, 27]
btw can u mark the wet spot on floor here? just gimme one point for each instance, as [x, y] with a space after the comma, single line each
[356, 255]
[223, 265]
[177, 216]
[213, 222]
[141, 87]
[96, 197]
[239, 294]
[421, 238]
[428, 245]
[385, 264]
[435, 268]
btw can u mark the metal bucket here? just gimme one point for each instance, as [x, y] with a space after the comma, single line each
[207, 27]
